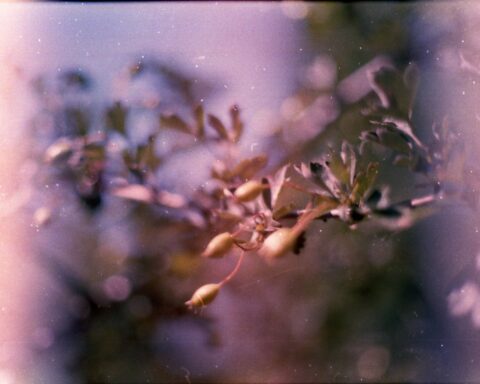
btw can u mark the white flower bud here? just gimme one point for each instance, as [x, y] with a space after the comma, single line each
[219, 245]
[203, 296]
[278, 244]
[248, 191]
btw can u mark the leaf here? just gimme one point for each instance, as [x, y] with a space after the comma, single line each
[174, 122]
[267, 194]
[78, 119]
[328, 174]
[116, 117]
[216, 124]
[395, 91]
[335, 167]
[200, 122]
[276, 184]
[387, 135]
[282, 211]
[317, 171]
[363, 182]
[247, 168]
[146, 156]
[349, 158]
[237, 124]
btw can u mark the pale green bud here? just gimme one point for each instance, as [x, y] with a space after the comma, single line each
[248, 191]
[219, 245]
[203, 296]
[278, 243]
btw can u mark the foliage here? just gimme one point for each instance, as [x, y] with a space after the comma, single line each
[263, 205]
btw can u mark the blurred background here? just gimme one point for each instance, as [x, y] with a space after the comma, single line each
[92, 286]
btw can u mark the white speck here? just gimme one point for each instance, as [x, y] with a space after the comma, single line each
[463, 93]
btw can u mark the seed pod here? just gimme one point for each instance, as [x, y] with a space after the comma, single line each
[203, 296]
[278, 244]
[248, 191]
[219, 245]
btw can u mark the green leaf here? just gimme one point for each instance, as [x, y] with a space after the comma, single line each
[363, 182]
[216, 124]
[174, 122]
[247, 168]
[115, 118]
[237, 124]
[146, 156]
[200, 121]
[78, 118]
[395, 91]
[338, 169]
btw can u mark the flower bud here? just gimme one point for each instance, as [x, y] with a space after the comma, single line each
[219, 245]
[278, 244]
[58, 150]
[203, 296]
[248, 191]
